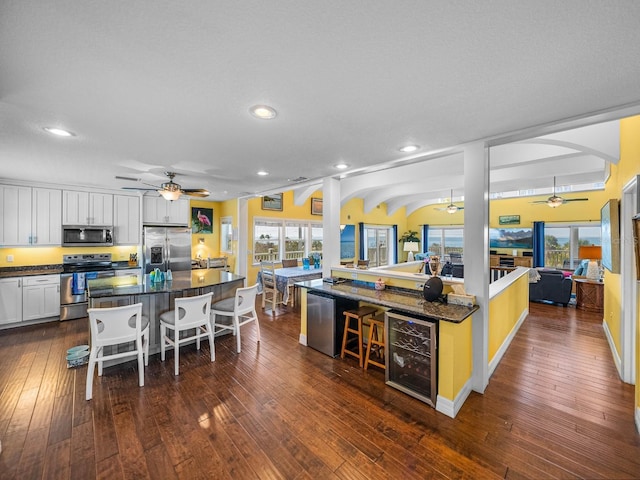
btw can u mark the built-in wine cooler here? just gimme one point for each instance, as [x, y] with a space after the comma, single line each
[411, 356]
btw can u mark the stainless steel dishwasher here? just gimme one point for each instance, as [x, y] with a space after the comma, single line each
[325, 322]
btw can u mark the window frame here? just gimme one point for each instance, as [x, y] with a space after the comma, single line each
[282, 224]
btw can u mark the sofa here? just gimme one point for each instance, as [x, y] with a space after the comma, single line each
[553, 286]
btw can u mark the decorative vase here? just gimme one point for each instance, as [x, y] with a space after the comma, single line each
[434, 266]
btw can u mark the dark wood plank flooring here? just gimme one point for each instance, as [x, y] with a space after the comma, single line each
[555, 408]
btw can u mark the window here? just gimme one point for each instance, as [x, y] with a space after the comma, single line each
[561, 243]
[377, 241]
[274, 240]
[443, 241]
[226, 235]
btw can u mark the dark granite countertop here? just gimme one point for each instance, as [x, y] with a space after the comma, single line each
[26, 271]
[122, 286]
[402, 300]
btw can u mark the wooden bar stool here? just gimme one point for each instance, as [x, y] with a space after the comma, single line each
[375, 343]
[358, 315]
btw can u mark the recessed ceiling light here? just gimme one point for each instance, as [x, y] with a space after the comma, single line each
[58, 131]
[341, 166]
[263, 173]
[263, 112]
[409, 148]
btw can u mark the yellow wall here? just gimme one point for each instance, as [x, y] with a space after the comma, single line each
[27, 256]
[352, 213]
[229, 208]
[621, 174]
[504, 312]
[455, 363]
[573, 212]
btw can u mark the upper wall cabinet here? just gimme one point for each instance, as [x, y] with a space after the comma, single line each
[126, 220]
[158, 211]
[30, 216]
[85, 208]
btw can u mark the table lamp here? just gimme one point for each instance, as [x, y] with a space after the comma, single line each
[593, 253]
[410, 247]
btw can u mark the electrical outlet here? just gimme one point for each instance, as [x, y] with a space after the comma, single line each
[9, 258]
[354, 276]
[419, 285]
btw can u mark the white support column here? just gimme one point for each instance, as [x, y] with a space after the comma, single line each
[243, 240]
[476, 253]
[330, 225]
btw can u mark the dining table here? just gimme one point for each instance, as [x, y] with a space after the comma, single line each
[288, 276]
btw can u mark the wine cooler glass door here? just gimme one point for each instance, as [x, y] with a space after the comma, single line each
[411, 350]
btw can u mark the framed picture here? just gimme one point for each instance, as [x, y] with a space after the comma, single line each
[610, 230]
[509, 219]
[201, 220]
[316, 206]
[272, 202]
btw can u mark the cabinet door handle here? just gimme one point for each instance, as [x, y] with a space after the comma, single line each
[19, 283]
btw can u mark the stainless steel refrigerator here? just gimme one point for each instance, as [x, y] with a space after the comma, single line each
[166, 248]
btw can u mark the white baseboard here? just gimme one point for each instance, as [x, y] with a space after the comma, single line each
[303, 339]
[451, 408]
[493, 364]
[612, 347]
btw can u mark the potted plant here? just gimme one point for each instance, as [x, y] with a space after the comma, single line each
[411, 243]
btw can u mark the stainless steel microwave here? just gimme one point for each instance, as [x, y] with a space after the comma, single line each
[86, 236]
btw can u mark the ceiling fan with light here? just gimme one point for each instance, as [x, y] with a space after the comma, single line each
[451, 208]
[555, 201]
[169, 190]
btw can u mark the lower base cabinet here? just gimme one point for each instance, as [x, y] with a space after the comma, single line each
[10, 300]
[40, 297]
[411, 356]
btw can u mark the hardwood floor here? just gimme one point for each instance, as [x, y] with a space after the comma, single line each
[554, 408]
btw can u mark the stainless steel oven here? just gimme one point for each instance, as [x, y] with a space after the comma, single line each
[76, 271]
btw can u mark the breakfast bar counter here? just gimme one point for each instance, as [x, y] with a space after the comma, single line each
[410, 302]
[159, 297]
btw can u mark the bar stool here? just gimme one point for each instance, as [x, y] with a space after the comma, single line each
[375, 342]
[358, 315]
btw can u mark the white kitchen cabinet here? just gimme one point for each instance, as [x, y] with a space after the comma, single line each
[40, 297]
[87, 208]
[46, 228]
[126, 220]
[30, 216]
[10, 300]
[158, 211]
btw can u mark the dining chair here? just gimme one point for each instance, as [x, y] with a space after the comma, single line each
[242, 310]
[114, 326]
[190, 313]
[269, 290]
[290, 263]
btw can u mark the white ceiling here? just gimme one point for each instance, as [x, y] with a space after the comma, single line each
[150, 86]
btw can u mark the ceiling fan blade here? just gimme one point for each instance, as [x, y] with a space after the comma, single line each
[140, 189]
[131, 179]
[540, 201]
[196, 192]
[575, 199]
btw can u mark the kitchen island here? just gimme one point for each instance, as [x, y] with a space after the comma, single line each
[158, 297]
[436, 369]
